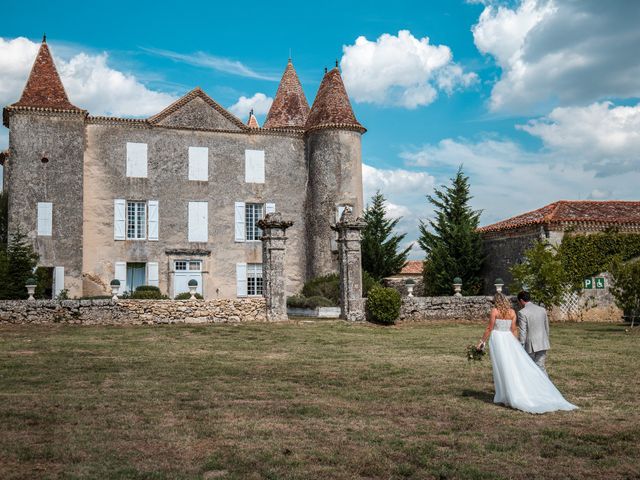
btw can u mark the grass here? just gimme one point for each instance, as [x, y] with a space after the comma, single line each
[307, 400]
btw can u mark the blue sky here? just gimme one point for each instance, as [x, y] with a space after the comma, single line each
[538, 99]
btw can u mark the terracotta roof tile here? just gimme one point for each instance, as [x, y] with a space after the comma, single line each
[290, 107]
[332, 107]
[253, 121]
[573, 211]
[412, 267]
[44, 88]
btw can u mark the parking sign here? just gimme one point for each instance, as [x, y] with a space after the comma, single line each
[599, 283]
[588, 283]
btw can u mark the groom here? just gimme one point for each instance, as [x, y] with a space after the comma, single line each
[533, 324]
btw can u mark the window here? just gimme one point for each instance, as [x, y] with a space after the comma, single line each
[199, 163]
[136, 275]
[252, 213]
[136, 220]
[137, 160]
[188, 265]
[45, 210]
[254, 279]
[198, 222]
[254, 166]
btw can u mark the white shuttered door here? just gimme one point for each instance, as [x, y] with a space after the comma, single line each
[45, 217]
[58, 280]
[239, 222]
[241, 279]
[153, 219]
[153, 278]
[120, 273]
[119, 211]
[254, 166]
[199, 163]
[198, 222]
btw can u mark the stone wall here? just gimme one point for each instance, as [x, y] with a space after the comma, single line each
[132, 312]
[445, 308]
[399, 283]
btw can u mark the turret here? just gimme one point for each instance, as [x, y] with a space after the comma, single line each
[44, 172]
[334, 158]
[290, 108]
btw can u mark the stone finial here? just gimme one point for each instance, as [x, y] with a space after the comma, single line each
[274, 220]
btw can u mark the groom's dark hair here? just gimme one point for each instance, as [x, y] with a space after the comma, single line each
[524, 296]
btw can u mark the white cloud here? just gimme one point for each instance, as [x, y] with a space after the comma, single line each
[259, 103]
[405, 192]
[89, 81]
[400, 70]
[507, 180]
[201, 59]
[604, 137]
[560, 52]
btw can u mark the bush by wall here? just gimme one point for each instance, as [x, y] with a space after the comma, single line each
[187, 296]
[300, 301]
[148, 292]
[383, 305]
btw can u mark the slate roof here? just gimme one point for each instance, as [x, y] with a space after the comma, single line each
[44, 88]
[332, 107]
[614, 212]
[290, 108]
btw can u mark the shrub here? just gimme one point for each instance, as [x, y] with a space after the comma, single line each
[187, 296]
[300, 301]
[148, 292]
[626, 287]
[327, 286]
[383, 305]
[368, 282]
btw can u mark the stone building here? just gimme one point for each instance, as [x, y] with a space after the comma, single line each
[505, 242]
[412, 270]
[176, 196]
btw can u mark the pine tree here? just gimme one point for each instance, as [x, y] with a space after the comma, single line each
[16, 266]
[452, 245]
[380, 255]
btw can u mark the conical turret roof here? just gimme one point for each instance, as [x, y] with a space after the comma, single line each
[253, 121]
[332, 107]
[290, 108]
[44, 88]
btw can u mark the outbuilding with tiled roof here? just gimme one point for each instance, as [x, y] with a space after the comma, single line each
[506, 241]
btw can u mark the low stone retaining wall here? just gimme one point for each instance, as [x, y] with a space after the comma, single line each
[320, 312]
[445, 308]
[132, 312]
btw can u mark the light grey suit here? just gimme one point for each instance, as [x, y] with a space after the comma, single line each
[533, 325]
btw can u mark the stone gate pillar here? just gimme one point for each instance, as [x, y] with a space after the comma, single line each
[349, 230]
[273, 253]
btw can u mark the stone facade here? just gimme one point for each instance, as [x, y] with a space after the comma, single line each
[310, 161]
[132, 312]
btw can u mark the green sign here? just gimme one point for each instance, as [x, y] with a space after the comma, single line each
[588, 283]
[599, 283]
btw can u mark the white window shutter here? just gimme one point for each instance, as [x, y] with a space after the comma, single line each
[239, 222]
[136, 160]
[152, 274]
[339, 212]
[254, 166]
[198, 221]
[119, 216]
[199, 163]
[269, 208]
[153, 219]
[45, 217]
[241, 279]
[120, 273]
[58, 280]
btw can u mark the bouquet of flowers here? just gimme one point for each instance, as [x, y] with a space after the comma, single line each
[475, 353]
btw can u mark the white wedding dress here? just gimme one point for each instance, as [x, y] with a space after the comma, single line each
[518, 380]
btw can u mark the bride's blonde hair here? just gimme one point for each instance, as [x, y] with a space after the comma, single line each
[502, 304]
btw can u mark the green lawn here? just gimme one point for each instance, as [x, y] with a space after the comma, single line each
[308, 400]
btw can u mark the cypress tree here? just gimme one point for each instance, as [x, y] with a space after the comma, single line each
[380, 255]
[16, 266]
[452, 245]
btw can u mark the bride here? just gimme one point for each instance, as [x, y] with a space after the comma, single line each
[519, 382]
